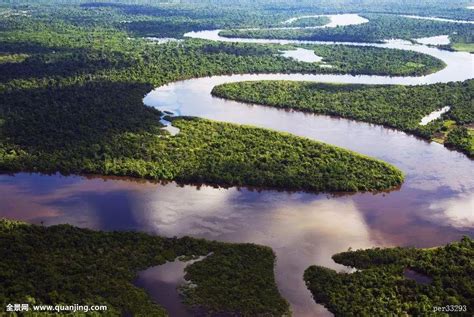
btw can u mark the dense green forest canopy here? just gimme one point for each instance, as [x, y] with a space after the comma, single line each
[110, 132]
[380, 287]
[250, 283]
[374, 60]
[71, 98]
[65, 264]
[60, 66]
[174, 18]
[379, 28]
[449, 9]
[400, 107]
[35, 52]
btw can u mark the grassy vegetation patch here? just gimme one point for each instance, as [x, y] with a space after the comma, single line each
[64, 265]
[12, 58]
[380, 287]
[463, 47]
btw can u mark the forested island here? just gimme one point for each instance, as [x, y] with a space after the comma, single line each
[376, 61]
[400, 107]
[381, 285]
[66, 264]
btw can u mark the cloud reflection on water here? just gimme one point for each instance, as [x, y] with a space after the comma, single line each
[454, 212]
[302, 228]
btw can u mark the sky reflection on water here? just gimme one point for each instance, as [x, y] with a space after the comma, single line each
[302, 228]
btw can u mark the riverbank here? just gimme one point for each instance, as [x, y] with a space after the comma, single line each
[400, 107]
[381, 285]
[65, 264]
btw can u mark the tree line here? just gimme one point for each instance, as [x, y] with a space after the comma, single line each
[395, 106]
[381, 287]
[64, 264]
[379, 28]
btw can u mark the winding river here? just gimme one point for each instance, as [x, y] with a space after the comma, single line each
[434, 206]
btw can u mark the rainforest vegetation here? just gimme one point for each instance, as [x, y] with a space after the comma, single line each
[400, 107]
[66, 264]
[308, 21]
[207, 289]
[461, 138]
[378, 29]
[374, 61]
[51, 50]
[109, 132]
[73, 104]
[173, 19]
[227, 13]
[381, 287]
